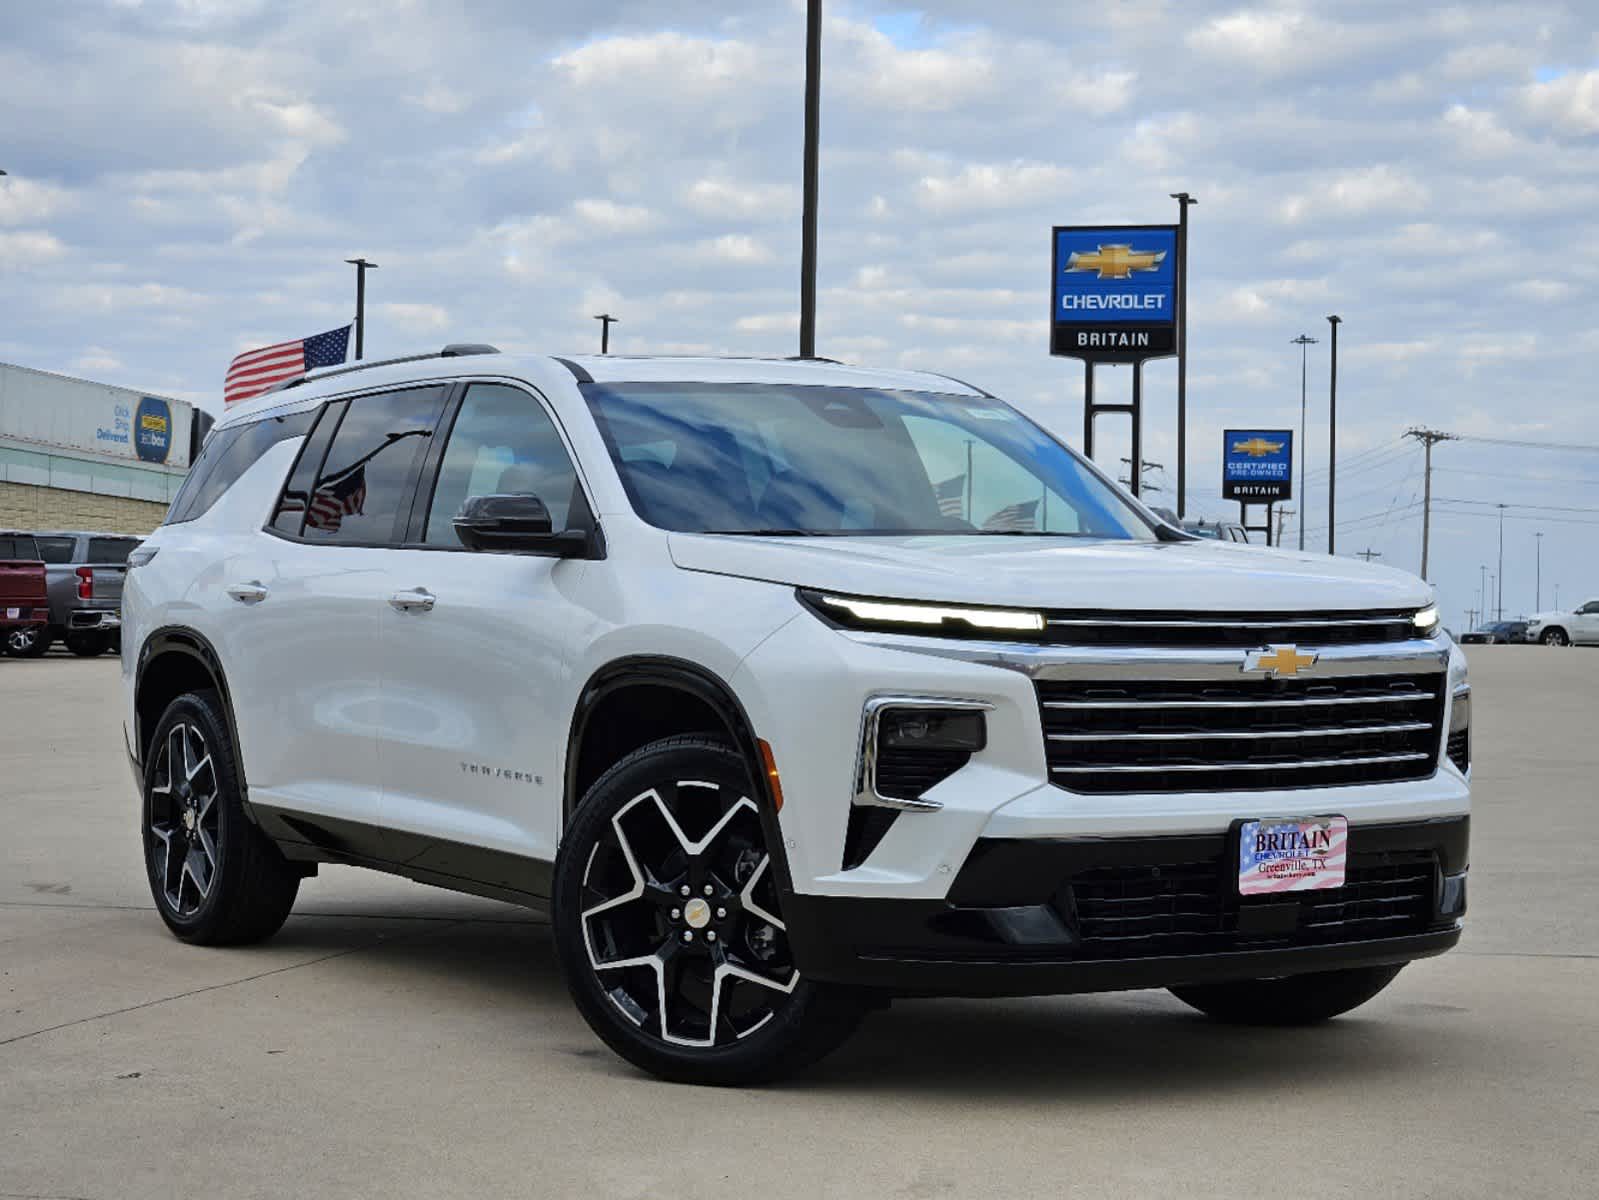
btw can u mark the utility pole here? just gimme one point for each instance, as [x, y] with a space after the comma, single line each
[1332, 437]
[1304, 341]
[1368, 554]
[1282, 519]
[1148, 466]
[1537, 604]
[1500, 605]
[1183, 201]
[813, 112]
[606, 320]
[1428, 439]
[362, 266]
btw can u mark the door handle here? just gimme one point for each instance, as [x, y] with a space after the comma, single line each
[415, 600]
[252, 592]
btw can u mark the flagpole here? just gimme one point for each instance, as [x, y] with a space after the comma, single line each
[362, 266]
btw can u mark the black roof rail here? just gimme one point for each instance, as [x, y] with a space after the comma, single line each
[453, 350]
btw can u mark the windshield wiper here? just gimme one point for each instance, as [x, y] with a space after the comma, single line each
[773, 532]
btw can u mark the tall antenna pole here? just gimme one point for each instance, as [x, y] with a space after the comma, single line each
[1304, 341]
[362, 266]
[1501, 601]
[813, 112]
[1537, 603]
[1183, 201]
[1429, 438]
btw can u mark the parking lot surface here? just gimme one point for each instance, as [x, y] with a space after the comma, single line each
[399, 1041]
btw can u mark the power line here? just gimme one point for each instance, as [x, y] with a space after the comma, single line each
[1545, 507]
[1590, 481]
[1493, 441]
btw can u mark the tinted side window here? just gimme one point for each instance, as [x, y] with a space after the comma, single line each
[57, 549]
[363, 490]
[226, 456]
[502, 443]
[290, 515]
[19, 547]
[111, 550]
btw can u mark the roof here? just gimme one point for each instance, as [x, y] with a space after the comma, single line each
[601, 368]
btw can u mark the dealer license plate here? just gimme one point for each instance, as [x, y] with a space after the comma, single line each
[1298, 854]
[13, 613]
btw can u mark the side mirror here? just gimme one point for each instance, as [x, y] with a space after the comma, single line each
[516, 523]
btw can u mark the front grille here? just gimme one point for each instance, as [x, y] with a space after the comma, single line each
[1152, 909]
[1245, 734]
[1089, 627]
[1460, 748]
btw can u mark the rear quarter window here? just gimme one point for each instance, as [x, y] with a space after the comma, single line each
[19, 547]
[228, 454]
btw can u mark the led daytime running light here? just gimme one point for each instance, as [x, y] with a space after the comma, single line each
[889, 612]
[1426, 619]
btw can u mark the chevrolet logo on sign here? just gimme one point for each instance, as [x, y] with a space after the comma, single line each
[1257, 447]
[1115, 262]
[1279, 661]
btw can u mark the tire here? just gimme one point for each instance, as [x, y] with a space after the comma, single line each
[27, 641]
[1555, 637]
[735, 1010]
[87, 645]
[231, 885]
[1292, 1000]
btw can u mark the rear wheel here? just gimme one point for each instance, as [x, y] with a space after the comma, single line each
[668, 925]
[28, 641]
[1555, 637]
[88, 644]
[1292, 1000]
[216, 878]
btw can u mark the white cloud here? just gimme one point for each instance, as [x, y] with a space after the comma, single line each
[1100, 94]
[415, 318]
[722, 198]
[1569, 104]
[1355, 193]
[738, 248]
[768, 323]
[611, 217]
[27, 201]
[97, 358]
[28, 247]
[993, 185]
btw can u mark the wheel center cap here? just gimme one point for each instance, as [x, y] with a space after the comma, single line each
[697, 913]
[188, 819]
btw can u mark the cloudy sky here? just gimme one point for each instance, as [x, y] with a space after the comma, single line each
[186, 177]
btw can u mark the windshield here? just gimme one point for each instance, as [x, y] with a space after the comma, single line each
[815, 461]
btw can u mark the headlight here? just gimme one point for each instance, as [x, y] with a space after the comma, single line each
[1426, 621]
[858, 613]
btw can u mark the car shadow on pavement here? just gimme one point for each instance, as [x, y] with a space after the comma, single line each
[1131, 1044]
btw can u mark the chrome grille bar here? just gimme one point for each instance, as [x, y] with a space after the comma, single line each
[1243, 734]
[1390, 698]
[1303, 764]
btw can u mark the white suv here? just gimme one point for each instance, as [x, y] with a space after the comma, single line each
[782, 687]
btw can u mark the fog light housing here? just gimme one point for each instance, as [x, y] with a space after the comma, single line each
[932, 729]
[1459, 746]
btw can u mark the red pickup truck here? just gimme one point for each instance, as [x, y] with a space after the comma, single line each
[24, 602]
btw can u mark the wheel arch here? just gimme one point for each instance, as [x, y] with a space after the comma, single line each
[173, 660]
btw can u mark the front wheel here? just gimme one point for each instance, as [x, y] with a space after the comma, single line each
[669, 928]
[91, 644]
[1292, 1000]
[1555, 637]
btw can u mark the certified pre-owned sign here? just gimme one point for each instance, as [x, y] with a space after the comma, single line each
[1115, 292]
[1257, 465]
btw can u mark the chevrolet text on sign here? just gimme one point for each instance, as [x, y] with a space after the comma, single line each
[1114, 295]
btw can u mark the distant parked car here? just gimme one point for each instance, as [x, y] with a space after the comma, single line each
[1566, 628]
[23, 608]
[1221, 531]
[1500, 632]
[84, 572]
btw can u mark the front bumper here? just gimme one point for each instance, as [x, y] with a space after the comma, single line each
[1048, 916]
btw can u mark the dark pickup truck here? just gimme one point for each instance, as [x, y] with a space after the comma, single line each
[83, 573]
[24, 605]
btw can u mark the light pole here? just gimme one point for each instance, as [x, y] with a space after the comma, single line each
[1304, 341]
[1332, 437]
[362, 266]
[1537, 604]
[1183, 201]
[1499, 605]
[813, 112]
[606, 320]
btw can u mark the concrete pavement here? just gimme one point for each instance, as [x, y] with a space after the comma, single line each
[399, 1041]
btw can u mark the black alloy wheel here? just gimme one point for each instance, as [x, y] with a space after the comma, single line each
[215, 877]
[88, 643]
[669, 927]
[1555, 637]
[27, 641]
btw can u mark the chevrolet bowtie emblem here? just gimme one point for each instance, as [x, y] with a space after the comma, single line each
[1279, 661]
[1257, 447]
[1115, 262]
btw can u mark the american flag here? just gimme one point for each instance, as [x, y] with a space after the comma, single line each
[951, 496]
[254, 371]
[334, 499]
[1292, 856]
[1014, 518]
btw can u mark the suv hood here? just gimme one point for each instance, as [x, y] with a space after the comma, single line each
[1058, 573]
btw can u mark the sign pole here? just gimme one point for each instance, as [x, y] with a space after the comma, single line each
[1137, 471]
[1088, 408]
[1183, 201]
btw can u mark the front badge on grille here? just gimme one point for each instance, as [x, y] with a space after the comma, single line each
[1279, 661]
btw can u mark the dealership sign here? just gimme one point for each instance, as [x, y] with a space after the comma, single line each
[1257, 465]
[1114, 295]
